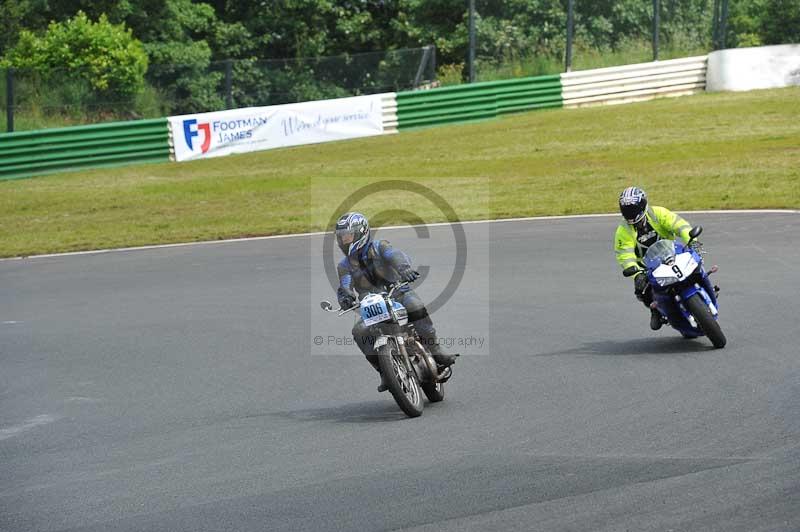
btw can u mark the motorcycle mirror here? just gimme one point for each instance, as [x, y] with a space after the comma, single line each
[695, 232]
[629, 271]
[326, 305]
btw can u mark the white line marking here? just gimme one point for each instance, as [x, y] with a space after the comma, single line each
[82, 399]
[318, 233]
[32, 423]
[10, 322]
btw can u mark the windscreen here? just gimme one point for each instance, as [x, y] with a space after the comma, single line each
[659, 253]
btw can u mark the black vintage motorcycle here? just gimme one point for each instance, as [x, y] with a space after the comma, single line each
[408, 367]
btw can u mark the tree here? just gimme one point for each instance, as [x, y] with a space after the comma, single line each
[310, 28]
[176, 36]
[105, 55]
[12, 22]
[744, 23]
[780, 23]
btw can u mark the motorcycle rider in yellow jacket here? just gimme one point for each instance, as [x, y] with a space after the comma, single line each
[645, 225]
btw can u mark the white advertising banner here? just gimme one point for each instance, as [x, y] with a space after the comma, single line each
[204, 135]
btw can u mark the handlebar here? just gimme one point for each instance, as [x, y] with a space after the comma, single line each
[327, 307]
[397, 286]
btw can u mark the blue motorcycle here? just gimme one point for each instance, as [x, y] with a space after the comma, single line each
[682, 291]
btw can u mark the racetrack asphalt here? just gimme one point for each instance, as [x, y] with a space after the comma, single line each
[179, 389]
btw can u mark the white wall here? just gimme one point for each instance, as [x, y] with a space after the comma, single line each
[744, 69]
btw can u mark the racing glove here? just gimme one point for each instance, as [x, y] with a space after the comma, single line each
[408, 274]
[697, 246]
[640, 283]
[346, 297]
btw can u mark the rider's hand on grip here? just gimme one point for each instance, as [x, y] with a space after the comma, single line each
[408, 274]
[346, 298]
[640, 282]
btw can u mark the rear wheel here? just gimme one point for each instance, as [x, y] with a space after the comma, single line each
[402, 383]
[434, 391]
[705, 320]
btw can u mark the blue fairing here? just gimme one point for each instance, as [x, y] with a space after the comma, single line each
[706, 288]
[689, 291]
[675, 311]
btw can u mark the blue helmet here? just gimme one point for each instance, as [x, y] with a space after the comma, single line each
[633, 205]
[352, 233]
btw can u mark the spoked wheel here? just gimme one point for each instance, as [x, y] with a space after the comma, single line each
[705, 320]
[434, 391]
[402, 383]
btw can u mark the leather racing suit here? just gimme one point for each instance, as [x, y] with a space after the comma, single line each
[375, 268]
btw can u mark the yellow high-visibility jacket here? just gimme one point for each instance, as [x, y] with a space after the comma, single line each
[666, 224]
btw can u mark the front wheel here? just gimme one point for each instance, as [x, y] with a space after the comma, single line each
[696, 305]
[402, 383]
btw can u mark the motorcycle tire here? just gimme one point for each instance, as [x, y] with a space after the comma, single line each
[434, 391]
[404, 388]
[705, 320]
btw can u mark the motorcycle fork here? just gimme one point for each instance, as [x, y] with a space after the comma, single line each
[401, 347]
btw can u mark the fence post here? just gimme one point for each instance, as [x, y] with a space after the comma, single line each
[723, 26]
[471, 57]
[423, 62]
[229, 84]
[9, 100]
[433, 62]
[656, 17]
[570, 31]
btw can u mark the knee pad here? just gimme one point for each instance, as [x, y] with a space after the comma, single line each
[419, 314]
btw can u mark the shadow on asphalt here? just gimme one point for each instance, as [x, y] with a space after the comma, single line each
[364, 412]
[672, 345]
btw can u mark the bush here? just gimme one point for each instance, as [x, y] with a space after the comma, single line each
[103, 55]
[450, 74]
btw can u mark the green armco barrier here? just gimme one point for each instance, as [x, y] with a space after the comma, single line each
[31, 153]
[476, 101]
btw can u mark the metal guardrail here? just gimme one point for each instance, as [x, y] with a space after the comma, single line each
[632, 83]
[389, 105]
[29, 153]
[476, 101]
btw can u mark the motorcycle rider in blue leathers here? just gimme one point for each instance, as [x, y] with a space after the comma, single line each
[371, 266]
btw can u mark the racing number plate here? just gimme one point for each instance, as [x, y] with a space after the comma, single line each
[683, 266]
[374, 310]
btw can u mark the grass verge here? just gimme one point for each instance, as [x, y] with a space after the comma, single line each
[712, 151]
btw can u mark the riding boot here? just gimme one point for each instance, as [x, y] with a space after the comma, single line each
[383, 386]
[433, 345]
[646, 297]
[655, 319]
